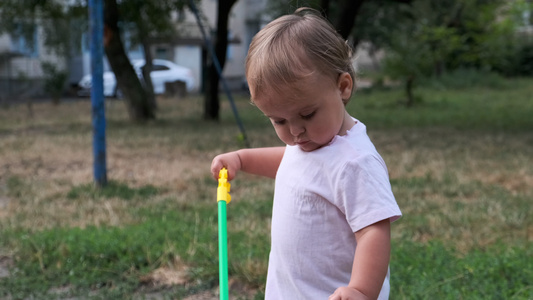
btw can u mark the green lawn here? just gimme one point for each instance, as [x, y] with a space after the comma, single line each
[460, 164]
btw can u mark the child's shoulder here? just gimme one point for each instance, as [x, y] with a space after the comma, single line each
[354, 150]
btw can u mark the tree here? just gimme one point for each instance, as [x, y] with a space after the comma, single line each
[21, 18]
[440, 36]
[344, 15]
[212, 99]
[407, 61]
[139, 107]
[55, 80]
[25, 19]
[147, 19]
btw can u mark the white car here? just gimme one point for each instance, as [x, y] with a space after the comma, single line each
[162, 71]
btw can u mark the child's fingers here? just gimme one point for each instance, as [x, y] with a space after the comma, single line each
[231, 173]
[227, 161]
[343, 293]
[216, 166]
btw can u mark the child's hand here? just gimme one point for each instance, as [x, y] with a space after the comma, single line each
[347, 293]
[230, 161]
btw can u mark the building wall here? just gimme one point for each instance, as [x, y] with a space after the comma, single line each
[21, 72]
[190, 56]
[244, 22]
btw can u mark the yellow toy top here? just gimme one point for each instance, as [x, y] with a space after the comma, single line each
[223, 186]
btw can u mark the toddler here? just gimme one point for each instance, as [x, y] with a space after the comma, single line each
[333, 203]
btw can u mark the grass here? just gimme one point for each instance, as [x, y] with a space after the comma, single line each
[505, 107]
[460, 164]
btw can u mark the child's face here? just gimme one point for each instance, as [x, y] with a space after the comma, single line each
[310, 112]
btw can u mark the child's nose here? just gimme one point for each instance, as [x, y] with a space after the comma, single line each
[296, 129]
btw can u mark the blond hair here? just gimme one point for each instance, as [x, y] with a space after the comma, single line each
[293, 46]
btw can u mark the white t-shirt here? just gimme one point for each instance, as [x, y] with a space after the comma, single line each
[321, 198]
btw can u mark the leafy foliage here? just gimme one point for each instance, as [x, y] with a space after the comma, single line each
[20, 18]
[149, 19]
[443, 36]
[55, 80]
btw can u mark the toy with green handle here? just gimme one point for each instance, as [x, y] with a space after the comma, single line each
[223, 197]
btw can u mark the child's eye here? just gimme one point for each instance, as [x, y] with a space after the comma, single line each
[279, 122]
[309, 116]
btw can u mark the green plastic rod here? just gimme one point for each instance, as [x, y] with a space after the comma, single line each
[223, 197]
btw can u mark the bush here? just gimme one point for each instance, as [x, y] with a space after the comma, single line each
[517, 60]
[523, 60]
[54, 81]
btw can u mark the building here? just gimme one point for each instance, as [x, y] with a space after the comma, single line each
[21, 69]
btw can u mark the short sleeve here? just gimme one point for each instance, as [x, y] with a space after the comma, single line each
[364, 194]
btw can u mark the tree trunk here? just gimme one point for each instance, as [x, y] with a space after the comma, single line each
[348, 12]
[409, 83]
[212, 99]
[324, 8]
[438, 68]
[146, 70]
[148, 67]
[139, 108]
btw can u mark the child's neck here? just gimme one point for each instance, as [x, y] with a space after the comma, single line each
[347, 124]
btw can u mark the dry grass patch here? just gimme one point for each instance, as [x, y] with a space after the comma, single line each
[471, 189]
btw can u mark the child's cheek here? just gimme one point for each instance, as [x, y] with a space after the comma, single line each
[284, 136]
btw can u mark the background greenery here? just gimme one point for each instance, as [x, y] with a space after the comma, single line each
[460, 163]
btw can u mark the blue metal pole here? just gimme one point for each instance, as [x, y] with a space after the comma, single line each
[96, 24]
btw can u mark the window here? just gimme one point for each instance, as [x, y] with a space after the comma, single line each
[229, 49]
[24, 40]
[159, 68]
[162, 53]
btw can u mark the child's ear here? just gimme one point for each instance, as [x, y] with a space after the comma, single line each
[345, 85]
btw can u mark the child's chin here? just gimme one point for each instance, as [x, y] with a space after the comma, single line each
[308, 147]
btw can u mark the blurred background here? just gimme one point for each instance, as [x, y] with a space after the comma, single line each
[444, 87]
[44, 45]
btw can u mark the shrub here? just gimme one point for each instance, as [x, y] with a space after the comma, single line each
[54, 81]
